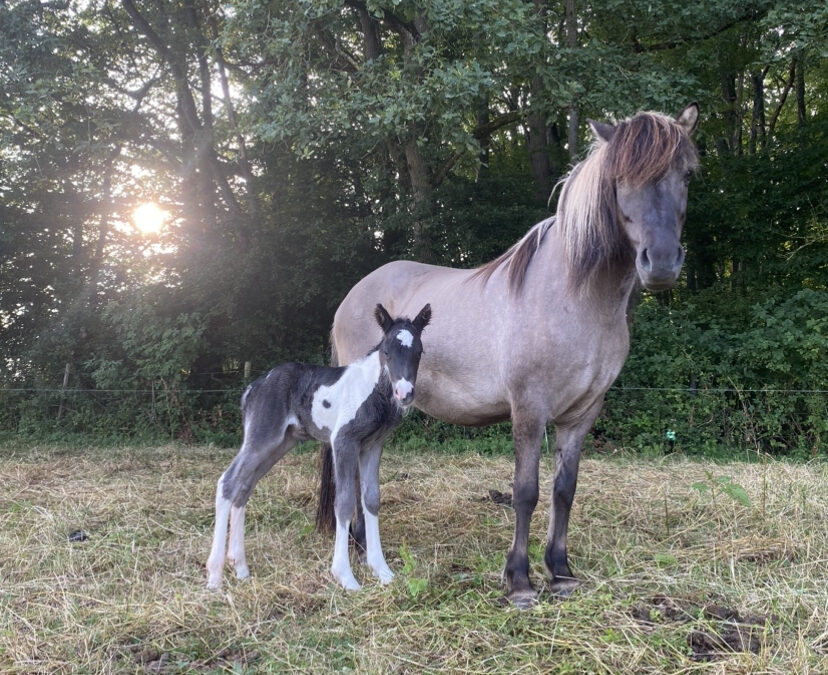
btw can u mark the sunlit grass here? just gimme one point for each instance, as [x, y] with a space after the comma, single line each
[671, 572]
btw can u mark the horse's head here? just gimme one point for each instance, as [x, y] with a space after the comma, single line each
[401, 349]
[651, 159]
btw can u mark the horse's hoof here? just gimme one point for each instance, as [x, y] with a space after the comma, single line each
[562, 587]
[385, 576]
[242, 572]
[525, 599]
[346, 580]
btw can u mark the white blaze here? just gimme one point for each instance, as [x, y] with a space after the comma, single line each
[406, 338]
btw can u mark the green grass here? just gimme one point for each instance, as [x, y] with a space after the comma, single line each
[671, 572]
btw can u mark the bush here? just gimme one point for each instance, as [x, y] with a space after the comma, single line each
[723, 379]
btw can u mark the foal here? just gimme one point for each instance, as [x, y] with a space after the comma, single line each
[353, 408]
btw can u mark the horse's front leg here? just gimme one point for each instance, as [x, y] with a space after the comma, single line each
[527, 430]
[346, 458]
[369, 460]
[569, 441]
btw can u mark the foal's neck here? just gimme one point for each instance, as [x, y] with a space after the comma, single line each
[368, 368]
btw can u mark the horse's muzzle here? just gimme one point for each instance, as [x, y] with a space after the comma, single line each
[404, 392]
[659, 270]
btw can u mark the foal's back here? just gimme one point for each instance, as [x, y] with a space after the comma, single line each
[319, 402]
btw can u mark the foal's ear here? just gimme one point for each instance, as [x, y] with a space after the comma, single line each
[689, 117]
[423, 318]
[602, 130]
[383, 318]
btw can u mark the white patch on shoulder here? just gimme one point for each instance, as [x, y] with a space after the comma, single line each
[406, 338]
[346, 395]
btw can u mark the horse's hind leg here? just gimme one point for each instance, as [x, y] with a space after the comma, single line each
[215, 563]
[345, 454]
[369, 460]
[256, 457]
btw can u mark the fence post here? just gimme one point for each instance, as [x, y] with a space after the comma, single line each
[248, 366]
[66, 372]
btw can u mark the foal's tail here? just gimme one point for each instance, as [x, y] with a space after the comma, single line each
[325, 517]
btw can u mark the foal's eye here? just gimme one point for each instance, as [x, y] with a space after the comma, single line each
[688, 175]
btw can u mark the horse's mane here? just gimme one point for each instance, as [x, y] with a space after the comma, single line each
[642, 149]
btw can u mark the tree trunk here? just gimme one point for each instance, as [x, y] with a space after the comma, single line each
[421, 190]
[801, 113]
[729, 144]
[757, 123]
[571, 21]
[537, 144]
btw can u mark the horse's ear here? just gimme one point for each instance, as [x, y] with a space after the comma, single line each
[689, 117]
[602, 130]
[383, 318]
[423, 318]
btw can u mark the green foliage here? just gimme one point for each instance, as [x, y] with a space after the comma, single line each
[748, 375]
[724, 484]
[356, 133]
[416, 585]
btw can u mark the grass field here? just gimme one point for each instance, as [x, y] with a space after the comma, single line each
[102, 554]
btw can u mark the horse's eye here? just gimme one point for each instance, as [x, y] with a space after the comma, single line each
[688, 175]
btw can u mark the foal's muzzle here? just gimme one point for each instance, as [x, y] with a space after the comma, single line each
[404, 392]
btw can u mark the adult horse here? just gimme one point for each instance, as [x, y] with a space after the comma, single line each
[540, 333]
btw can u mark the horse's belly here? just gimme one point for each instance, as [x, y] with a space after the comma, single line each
[452, 402]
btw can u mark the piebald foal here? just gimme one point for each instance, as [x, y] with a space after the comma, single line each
[354, 408]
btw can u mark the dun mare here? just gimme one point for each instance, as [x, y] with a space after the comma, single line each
[539, 334]
[352, 408]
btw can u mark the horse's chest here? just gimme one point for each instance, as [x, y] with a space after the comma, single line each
[351, 402]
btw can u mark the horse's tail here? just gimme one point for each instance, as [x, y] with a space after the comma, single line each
[325, 517]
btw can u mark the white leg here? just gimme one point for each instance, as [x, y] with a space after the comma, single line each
[236, 550]
[376, 560]
[341, 565]
[215, 563]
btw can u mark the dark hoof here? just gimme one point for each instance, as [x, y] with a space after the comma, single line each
[525, 599]
[562, 587]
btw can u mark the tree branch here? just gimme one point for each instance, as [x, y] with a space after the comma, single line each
[662, 46]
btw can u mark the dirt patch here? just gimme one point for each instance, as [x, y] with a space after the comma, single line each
[711, 645]
[496, 496]
[723, 630]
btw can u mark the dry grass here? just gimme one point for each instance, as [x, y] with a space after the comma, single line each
[676, 580]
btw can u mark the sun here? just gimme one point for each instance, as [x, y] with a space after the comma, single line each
[149, 218]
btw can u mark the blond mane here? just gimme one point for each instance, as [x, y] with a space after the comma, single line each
[642, 149]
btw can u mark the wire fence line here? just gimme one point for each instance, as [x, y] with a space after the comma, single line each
[689, 390]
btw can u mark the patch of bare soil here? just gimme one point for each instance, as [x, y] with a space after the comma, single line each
[721, 630]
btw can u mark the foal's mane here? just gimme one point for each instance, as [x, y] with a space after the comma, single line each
[642, 149]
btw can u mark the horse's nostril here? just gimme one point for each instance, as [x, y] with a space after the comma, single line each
[645, 259]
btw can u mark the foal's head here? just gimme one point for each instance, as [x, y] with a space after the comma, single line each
[401, 349]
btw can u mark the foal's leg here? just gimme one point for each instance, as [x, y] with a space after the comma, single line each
[215, 563]
[527, 429]
[568, 441]
[369, 460]
[254, 460]
[345, 455]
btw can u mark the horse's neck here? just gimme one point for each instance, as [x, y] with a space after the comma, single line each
[367, 369]
[606, 295]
